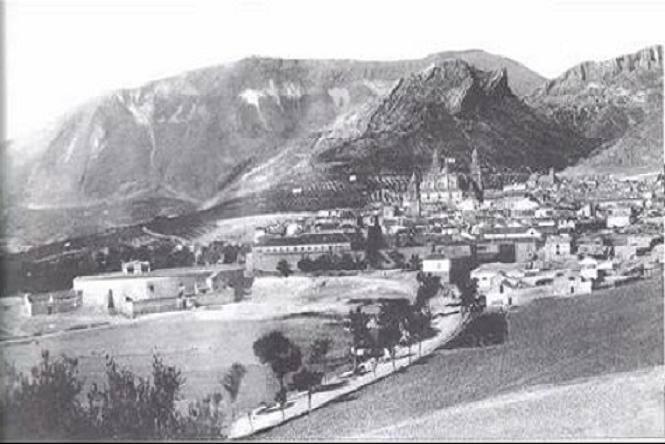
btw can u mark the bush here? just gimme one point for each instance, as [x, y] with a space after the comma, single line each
[46, 405]
[284, 268]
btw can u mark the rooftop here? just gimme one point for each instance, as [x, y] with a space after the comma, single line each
[166, 272]
[306, 239]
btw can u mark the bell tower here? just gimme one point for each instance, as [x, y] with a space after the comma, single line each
[436, 163]
[474, 169]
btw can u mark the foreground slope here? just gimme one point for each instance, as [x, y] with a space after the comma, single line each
[551, 341]
[579, 409]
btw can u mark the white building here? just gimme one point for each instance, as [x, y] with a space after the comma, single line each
[138, 284]
[617, 221]
[437, 264]
[486, 279]
[589, 268]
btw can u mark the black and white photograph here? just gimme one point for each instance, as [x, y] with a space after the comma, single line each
[368, 220]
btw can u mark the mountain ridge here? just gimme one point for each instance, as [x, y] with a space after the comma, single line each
[212, 134]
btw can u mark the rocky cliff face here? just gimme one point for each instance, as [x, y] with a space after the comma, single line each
[455, 107]
[619, 102]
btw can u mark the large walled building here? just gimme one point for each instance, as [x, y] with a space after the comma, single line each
[136, 283]
[267, 252]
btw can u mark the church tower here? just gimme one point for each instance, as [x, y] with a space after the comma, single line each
[436, 163]
[413, 195]
[474, 169]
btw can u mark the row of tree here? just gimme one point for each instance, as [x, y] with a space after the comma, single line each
[398, 322]
[284, 357]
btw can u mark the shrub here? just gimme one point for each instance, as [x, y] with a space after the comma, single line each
[46, 405]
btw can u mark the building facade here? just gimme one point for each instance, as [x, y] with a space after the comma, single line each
[269, 251]
[119, 291]
[440, 188]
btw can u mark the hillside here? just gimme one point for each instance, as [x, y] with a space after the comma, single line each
[454, 107]
[188, 136]
[579, 409]
[618, 102]
[198, 138]
[552, 342]
[229, 136]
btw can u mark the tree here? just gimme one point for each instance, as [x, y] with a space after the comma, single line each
[307, 379]
[375, 242]
[280, 398]
[390, 319]
[284, 268]
[204, 420]
[347, 262]
[305, 264]
[281, 354]
[44, 405]
[415, 263]
[419, 324]
[318, 351]
[469, 295]
[135, 407]
[231, 382]
[428, 288]
[357, 325]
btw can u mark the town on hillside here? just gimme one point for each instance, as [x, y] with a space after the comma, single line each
[267, 221]
[547, 235]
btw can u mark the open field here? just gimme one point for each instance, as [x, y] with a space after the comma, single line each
[551, 341]
[204, 343]
[202, 349]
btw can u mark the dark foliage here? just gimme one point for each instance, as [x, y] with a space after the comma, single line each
[284, 268]
[45, 405]
[280, 353]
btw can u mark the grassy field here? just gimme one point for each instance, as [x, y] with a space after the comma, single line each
[581, 409]
[203, 350]
[203, 344]
[551, 341]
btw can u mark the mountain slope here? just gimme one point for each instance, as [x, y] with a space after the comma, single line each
[618, 101]
[454, 107]
[192, 138]
[188, 136]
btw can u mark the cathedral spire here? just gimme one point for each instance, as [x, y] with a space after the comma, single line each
[474, 159]
[436, 163]
[475, 170]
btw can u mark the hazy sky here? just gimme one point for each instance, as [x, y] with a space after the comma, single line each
[61, 52]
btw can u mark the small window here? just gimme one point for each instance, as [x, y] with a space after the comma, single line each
[151, 288]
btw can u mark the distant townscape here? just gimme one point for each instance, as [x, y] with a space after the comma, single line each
[442, 221]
